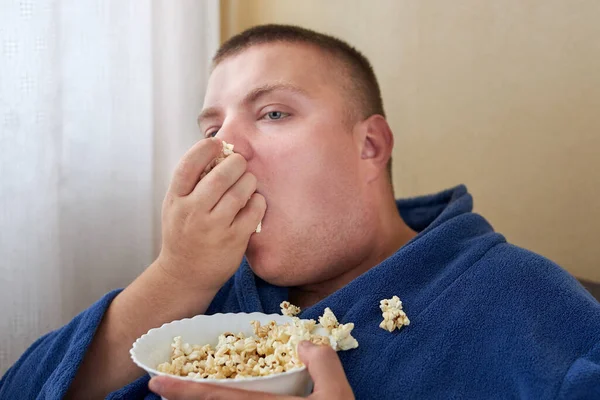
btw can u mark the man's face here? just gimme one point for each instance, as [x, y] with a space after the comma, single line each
[284, 108]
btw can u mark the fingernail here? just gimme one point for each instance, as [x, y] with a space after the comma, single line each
[155, 385]
[305, 345]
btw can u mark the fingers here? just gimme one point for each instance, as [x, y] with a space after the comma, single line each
[235, 198]
[326, 370]
[248, 218]
[175, 389]
[191, 166]
[214, 185]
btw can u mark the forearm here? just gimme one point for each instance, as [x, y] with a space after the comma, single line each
[153, 299]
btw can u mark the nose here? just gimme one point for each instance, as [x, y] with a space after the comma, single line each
[232, 131]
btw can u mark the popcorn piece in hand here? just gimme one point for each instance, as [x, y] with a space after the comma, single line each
[289, 309]
[227, 150]
[393, 315]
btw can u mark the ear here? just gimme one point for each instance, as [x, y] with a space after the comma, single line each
[377, 142]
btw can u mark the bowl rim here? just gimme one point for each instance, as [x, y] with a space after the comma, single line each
[132, 353]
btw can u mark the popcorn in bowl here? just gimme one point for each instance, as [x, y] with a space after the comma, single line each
[270, 350]
[261, 356]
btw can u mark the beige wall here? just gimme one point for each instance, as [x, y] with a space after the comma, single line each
[503, 96]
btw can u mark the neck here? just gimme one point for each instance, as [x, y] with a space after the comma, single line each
[392, 234]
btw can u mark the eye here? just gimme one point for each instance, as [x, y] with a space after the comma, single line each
[275, 115]
[212, 133]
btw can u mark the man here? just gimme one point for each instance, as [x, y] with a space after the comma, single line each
[304, 111]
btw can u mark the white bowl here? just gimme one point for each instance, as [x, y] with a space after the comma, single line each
[154, 348]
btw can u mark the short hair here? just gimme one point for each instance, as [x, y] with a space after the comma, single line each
[366, 93]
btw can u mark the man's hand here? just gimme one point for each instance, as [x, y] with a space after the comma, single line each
[206, 224]
[206, 228]
[322, 362]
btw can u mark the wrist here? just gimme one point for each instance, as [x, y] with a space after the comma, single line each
[162, 272]
[159, 298]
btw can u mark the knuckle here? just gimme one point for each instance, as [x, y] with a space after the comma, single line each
[169, 201]
[260, 201]
[184, 218]
[213, 222]
[252, 181]
[230, 236]
[187, 215]
[208, 145]
[183, 170]
[219, 174]
[258, 213]
[238, 200]
[212, 143]
[239, 160]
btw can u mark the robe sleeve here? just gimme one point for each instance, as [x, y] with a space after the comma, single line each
[48, 367]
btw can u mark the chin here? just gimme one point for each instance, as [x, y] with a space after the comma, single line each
[267, 267]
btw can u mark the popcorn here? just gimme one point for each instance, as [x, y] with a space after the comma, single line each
[342, 336]
[340, 333]
[393, 315]
[227, 150]
[289, 309]
[328, 320]
[272, 349]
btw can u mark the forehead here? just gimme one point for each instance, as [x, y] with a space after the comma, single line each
[301, 65]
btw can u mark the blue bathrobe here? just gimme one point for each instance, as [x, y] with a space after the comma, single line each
[488, 320]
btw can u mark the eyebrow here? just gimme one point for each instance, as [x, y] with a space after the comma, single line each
[264, 90]
[254, 95]
[208, 113]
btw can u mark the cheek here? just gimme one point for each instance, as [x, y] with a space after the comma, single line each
[314, 179]
[307, 170]
[314, 149]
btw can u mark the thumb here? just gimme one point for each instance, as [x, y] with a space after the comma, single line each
[325, 369]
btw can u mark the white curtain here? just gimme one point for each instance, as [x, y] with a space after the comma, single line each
[98, 100]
